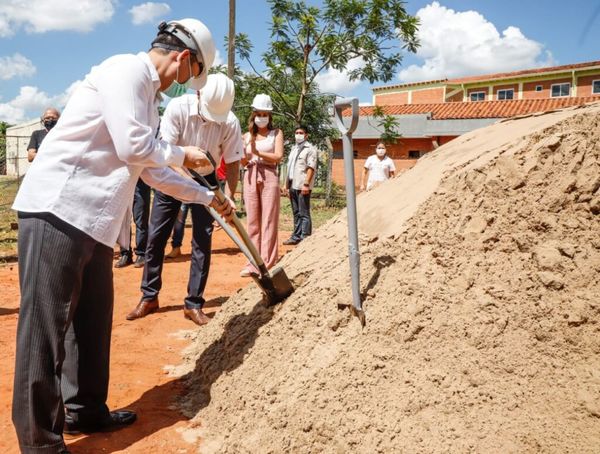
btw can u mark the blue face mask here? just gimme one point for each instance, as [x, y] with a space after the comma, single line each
[176, 89]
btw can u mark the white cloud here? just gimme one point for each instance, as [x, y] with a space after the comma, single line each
[147, 13]
[39, 16]
[16, 66]
[455, 44]
[218, 59]
[334, 81]
[30, 102]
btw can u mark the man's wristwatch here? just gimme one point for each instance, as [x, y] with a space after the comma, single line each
[306, 184]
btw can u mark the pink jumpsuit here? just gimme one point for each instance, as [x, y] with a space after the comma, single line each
[262, 198]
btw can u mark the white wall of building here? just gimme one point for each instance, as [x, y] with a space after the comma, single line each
[17, 139]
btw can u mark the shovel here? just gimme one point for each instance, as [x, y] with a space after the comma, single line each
[353, 252]
[276, 286]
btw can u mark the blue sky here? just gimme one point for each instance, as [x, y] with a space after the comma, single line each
[46, 47]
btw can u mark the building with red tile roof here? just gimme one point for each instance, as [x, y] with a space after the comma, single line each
[431, 113]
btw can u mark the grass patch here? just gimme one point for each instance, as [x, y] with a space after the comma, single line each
[319, 213]
[8, 236]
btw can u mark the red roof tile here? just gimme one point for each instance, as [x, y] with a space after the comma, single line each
[496, 76]
[480, 109]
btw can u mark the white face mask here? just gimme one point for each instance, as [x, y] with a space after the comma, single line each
[380, 152]
[261, 122]
[299, 138]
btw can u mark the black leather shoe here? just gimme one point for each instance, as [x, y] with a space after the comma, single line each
[139, 261]
[124, 260]
[291, 242]
[114, 421]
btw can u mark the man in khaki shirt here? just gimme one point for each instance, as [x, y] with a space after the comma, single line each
[301, 167]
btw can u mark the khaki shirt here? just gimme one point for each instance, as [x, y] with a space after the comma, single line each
[298, 162]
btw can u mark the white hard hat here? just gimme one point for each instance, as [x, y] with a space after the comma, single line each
[198, 39]
[262, 102]
[216, 98]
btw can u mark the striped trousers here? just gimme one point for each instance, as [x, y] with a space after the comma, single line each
[64, 329]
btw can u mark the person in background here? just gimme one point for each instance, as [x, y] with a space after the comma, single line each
[141, 214]
[205, 119]
[48, 119]
[263, 151]
[71, 207]
[301, 168]
[378, 167]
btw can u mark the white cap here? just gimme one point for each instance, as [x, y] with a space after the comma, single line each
[199, 40]
[262, 102]
[216, 98]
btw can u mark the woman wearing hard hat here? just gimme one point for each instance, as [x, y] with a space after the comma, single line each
[264, 150]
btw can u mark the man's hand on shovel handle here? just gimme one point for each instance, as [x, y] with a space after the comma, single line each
[225, 209]
[195, 158]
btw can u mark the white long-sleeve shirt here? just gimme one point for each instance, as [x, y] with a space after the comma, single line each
[183, 125]
[88, 165]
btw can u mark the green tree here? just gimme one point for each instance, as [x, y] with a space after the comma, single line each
[387, 125]
[3, 127]
[307, 40]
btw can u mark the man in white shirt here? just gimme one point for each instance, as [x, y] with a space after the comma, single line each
[204, 119]
[301, 167]
[71, 206]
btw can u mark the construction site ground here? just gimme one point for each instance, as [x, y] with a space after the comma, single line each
[140, 355]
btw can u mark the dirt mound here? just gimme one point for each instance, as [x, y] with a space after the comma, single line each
[480, 268]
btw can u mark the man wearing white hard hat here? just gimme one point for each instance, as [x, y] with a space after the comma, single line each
[204, 119]
[71, 207]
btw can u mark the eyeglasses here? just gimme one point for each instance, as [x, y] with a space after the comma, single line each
[200, 65]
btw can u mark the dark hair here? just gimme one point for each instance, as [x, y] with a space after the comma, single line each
[168, 40]
[252, 128]
[381, 142]
[302, 127]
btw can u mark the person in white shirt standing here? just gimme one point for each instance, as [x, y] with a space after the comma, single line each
[379, 167]
[71, 207]
[301, 168]
[204, 119]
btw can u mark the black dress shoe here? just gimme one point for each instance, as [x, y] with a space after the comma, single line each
[123, 261]
[115, 420]
[139, 261]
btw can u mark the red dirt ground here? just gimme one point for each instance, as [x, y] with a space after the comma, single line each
[139, 352]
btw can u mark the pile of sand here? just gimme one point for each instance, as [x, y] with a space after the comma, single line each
[481, 270]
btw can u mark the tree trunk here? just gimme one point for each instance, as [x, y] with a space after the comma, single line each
[231, 40]
[328, 183]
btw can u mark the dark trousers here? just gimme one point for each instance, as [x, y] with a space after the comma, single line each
[64, 328]
[301, 211]
[162, 218]
[141, 214]
[179, 228]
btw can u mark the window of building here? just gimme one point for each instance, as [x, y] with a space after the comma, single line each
[415, 154]
[538, 88]
[596, 87]
[506, 94]
[558, 90]
[478, 96]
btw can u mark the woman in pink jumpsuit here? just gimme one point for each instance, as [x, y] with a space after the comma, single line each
[264, 150]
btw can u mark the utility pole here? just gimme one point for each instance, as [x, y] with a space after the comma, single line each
[231, 40]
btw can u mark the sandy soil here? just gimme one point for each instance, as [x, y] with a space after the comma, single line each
[141, 355]
[481, 285]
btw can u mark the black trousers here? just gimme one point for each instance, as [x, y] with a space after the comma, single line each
[141, 215]
[64, 328]
[162, 218]
[301, 212]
